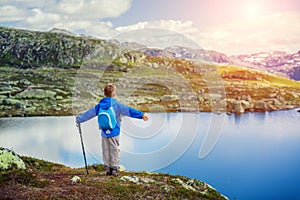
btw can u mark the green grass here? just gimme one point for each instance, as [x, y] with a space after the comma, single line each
[44, 179]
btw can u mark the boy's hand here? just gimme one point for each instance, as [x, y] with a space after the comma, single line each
[76, 120]
[145, 117]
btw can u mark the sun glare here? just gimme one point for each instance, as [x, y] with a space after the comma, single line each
[252, 10]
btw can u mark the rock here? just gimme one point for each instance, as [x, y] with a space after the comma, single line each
[246, 97]
[11, 102]
[294, 95]
[260, 106]
[185, 185]
[9, 90]
[36, 94]
[122, 168]
[184, 109]
[147, 180]
[30, 110]
[165, 98]
[275, 102]
[298, 110]
[215, 96]
[246, 105]
[167, 188]
[188, 97]
[123, 60]
[155, 65]
[133, 179]
[75, 179]
[24, 82]
[272, 95]
[10, 160]
[238, 107]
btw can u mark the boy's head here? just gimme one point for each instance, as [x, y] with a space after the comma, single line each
[110, 90]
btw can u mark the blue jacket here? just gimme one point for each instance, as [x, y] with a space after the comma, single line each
[119, 108]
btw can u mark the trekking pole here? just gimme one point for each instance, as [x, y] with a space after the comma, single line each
[80, 133]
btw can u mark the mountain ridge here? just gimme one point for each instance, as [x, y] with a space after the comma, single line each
[71, 49]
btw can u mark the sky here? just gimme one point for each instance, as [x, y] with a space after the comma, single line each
[228, 26]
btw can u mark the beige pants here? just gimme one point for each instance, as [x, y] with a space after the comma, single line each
[111, 151]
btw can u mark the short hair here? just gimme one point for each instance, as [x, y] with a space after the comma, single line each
[109, 90]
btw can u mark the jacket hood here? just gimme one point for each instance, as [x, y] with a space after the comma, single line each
[107, 102]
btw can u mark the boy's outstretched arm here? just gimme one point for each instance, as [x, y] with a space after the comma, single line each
[86, 116]
[131, 112]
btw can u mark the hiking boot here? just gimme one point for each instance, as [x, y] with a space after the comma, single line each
[114, 172]
[107, 171]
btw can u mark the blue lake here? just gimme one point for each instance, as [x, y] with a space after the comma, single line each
[252, 156]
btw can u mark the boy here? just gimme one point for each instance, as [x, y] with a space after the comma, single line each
[110, 137]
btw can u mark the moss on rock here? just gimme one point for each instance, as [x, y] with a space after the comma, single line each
[10, 160]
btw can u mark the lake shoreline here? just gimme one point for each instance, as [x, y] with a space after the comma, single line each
[297, 109]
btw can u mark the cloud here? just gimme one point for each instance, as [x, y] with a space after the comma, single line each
[278, 31]
[10, 13]
[92, 9]
[74, 15]
[184, 27]
[159, 34]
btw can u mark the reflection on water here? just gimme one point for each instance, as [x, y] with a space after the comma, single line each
[256, 156]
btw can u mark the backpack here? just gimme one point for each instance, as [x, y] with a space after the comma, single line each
[107, 119]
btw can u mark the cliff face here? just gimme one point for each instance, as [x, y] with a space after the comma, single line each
[31, 49]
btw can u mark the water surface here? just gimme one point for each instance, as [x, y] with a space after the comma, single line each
[256, 156]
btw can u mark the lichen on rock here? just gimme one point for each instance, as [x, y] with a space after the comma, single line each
[10, 160]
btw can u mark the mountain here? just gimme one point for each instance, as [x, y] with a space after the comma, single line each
[275, 62]
[57, 48]
[63, 49]
[58, 73]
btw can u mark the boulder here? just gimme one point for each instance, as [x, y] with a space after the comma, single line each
[246, 105]
[133, 179]
[238, 107]
[246, 97]
[275, 102]
[10, 160]
[165, 98]
[122, 168]
[36, 94]
[260, 106]
[294, 95]
[11, 102]
[75, 179]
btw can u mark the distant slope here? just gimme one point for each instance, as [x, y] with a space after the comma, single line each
[276, 62]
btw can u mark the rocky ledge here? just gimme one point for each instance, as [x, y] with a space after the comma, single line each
[39, 179]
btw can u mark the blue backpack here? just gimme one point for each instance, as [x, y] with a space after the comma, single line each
[107, 119]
